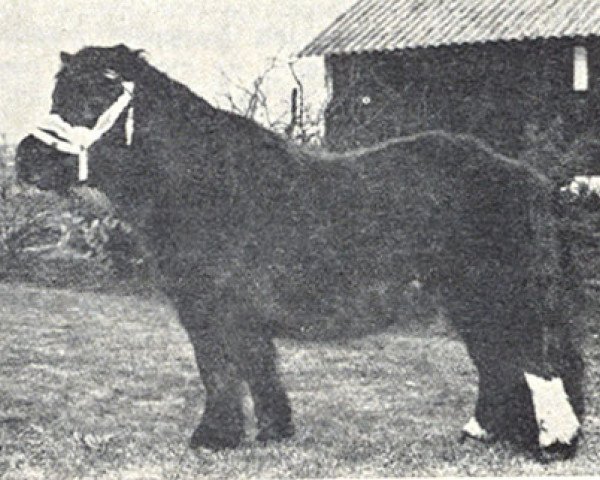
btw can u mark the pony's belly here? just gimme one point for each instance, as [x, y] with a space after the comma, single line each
[340, 296]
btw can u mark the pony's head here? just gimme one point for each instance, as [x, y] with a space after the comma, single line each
[44, 166]
[92, 99]
[90, 81]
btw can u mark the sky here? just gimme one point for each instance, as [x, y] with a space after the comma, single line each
[213, 46]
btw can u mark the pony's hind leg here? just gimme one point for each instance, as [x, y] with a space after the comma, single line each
[503, 409]
[494, 341]
[271, 403]
[558, 397]
[505, 403]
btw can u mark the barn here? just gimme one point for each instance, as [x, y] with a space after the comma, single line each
[510, 72]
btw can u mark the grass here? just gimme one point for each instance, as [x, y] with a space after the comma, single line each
[104, 386]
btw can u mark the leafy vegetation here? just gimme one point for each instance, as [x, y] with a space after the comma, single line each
[63, 241]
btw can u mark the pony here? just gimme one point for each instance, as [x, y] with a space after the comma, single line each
[255, 238]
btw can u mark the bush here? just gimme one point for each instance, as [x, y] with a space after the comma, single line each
[50, 240]
[560, 159]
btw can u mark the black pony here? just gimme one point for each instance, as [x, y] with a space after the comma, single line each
[256, 238]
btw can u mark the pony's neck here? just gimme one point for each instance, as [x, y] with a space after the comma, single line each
[170, 122]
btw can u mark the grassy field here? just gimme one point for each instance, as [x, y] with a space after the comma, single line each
[104, 386]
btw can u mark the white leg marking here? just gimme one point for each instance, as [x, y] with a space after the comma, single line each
[553, 412]
[474, 430]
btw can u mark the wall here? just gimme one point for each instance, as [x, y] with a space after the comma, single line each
[504, 92]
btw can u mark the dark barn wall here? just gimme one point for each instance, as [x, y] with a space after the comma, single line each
[501, 92]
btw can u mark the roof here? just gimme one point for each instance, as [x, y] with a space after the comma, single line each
[385, 25]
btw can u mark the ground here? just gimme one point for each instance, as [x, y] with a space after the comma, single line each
[104, 386]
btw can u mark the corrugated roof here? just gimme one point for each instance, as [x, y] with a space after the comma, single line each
[382, 25]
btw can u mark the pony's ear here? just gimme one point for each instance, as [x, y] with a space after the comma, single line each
[127, 62]
[65, 58]
[124, 61]
[122, 49]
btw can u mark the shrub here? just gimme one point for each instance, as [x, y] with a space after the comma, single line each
[550, 152]
[57, 241]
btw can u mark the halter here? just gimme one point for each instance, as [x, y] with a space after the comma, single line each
[76, 140]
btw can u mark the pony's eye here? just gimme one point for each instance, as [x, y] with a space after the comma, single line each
[96, 104]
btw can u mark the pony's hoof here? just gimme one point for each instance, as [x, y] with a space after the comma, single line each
[558, 452]
[214, 439]
[473, 430]
[275, 432]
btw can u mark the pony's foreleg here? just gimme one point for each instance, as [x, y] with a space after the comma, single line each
[271, 402]
[222, 424]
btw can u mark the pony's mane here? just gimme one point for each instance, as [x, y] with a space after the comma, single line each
[132, 65]
[179, 99]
